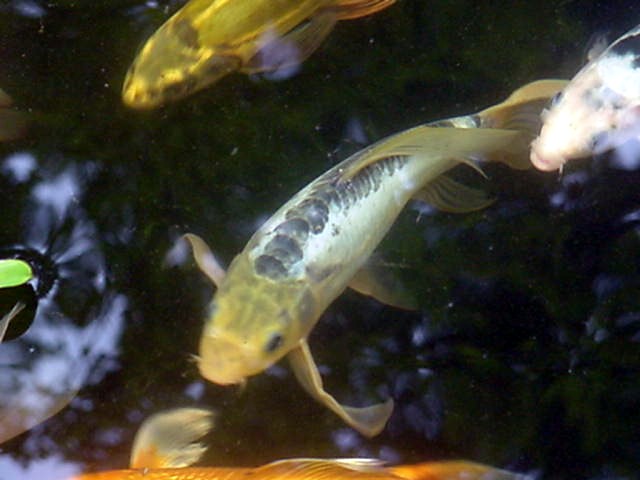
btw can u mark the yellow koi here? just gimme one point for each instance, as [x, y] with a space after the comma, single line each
[208, 39]
[166, 446]
[314, 246]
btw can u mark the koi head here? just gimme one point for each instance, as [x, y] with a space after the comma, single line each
[576, 117]
[598, 111]
[246, 332]
[171, 65]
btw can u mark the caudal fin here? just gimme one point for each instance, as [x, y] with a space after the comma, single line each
[348, 9]
[169, 439]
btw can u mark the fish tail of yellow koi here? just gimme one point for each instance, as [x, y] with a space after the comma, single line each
[349, 9]
[452, 470]
[169, 439]
[521, 111]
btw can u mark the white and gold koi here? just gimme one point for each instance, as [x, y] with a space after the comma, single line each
[208, 39]
[313, 247]
[598, 111]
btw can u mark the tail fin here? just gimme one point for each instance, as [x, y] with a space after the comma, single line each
[349, 9]
[168, 439]
[521, 110]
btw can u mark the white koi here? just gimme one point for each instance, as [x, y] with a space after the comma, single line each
[598, 111]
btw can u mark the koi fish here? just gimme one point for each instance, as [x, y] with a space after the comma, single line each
[165, 445]
[317, 243]
[598, 110]
[208, 39]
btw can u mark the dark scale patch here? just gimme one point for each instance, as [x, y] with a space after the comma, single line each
[284, 249]
[314, 211]
[628, 45]
[270, 267]
[295, 228]
[187, 34]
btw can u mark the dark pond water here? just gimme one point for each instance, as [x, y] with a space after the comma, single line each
[525, 353]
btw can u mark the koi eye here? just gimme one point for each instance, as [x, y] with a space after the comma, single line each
[556, 99]
[274, 343]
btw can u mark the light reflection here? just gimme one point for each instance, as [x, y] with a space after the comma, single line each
[627, 155]
[50, 468]
[73, 340]
[29, 8]
[19, 166]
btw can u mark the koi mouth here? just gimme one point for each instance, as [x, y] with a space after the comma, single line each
[225, 361]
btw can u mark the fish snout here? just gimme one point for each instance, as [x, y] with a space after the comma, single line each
[226, 361]
[545, 161]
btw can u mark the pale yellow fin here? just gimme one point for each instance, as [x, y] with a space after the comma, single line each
[300, 43]
[453, 470]
[205, 260]
[438, 144]
[168, 439]
[378, 281]
[448, 195]
[6, 319]
[522, 109]
[349, 9]
[367, 420]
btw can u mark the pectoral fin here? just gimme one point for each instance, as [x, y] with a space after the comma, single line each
[277, 53]
[205, 260]
[169, 439]
[367, 420]
[6, 319]
[448, 195]
[348, 9]
[378, 281]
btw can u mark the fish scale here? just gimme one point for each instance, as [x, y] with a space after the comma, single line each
[309, 215]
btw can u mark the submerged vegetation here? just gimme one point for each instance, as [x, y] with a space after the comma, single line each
[524, 353]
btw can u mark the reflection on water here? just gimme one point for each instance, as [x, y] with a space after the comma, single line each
[62, 351]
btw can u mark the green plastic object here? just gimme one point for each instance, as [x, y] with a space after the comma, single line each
[14, 273]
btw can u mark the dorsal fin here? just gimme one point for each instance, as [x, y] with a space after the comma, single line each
[322, 469]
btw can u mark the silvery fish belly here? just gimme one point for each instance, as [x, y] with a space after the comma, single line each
[598, 111]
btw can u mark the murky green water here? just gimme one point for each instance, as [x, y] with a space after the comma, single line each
[525, 352]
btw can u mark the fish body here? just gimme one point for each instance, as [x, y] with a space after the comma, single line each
[597, 111]
[304, 256]
[315, 469]
[317, 244]
[208, 39]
